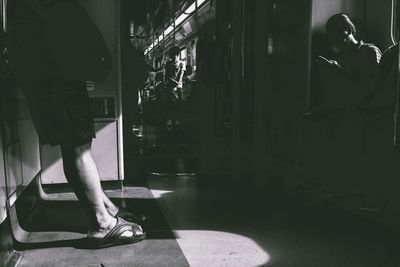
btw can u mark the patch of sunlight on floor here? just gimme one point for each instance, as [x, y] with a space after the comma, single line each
[127, 192]
[212, 248]
[160, 193]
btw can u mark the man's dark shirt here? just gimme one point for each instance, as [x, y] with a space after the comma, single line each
[385, 93]
[362, 61]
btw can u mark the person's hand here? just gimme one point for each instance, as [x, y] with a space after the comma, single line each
[323, 60]
[174, 81]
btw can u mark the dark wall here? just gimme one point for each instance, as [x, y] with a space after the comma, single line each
[378, 22]
[134, 74]
[290, 75]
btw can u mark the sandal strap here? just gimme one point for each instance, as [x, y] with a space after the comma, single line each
[121, 227]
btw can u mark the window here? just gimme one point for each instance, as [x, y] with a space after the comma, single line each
[183, 55]
[193, 53]
[180, 18]
[394, 33]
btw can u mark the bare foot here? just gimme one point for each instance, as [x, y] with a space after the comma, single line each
[106, 228]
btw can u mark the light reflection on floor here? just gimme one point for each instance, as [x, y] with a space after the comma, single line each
[218, 224]
[213, 248]
[128, 192]
[202, 243]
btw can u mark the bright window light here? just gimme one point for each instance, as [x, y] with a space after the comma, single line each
[168, 30]
[191, 9]
[178, 21]
[183, 54]
[200, 2]
[181, 18]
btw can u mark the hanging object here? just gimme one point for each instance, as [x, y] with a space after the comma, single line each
[131, 29]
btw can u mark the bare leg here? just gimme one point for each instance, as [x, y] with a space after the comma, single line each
[110, 206]
[81, 171]
[76, 185]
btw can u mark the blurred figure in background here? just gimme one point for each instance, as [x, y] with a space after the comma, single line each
[174, 72]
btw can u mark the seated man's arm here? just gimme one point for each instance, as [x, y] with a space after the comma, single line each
[384, 88]
[333, 66]
[170, 73]
[172, 80]
[368, 64]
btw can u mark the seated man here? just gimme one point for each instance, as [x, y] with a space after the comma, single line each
[356, 63]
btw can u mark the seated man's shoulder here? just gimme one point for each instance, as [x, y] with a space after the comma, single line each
[370, 50]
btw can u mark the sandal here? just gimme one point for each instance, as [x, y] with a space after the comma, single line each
[115, 237]
[130, 217]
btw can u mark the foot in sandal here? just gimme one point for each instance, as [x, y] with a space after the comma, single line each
[122, 233]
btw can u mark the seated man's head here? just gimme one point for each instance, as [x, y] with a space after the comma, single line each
[340, 31]
[174, 52]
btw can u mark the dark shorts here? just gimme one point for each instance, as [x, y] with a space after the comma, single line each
[61, 112]
[60, 109]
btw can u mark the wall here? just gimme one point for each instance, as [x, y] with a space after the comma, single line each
[104, 151]
[323, 9]
[378, 19]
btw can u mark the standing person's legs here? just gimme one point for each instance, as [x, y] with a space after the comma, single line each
[76, 184]
[110, 206]
[61, 113]
[81, 172]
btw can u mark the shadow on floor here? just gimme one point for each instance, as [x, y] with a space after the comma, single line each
[59, 229]
[287, 230]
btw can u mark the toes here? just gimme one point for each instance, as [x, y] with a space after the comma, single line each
[128, 234]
